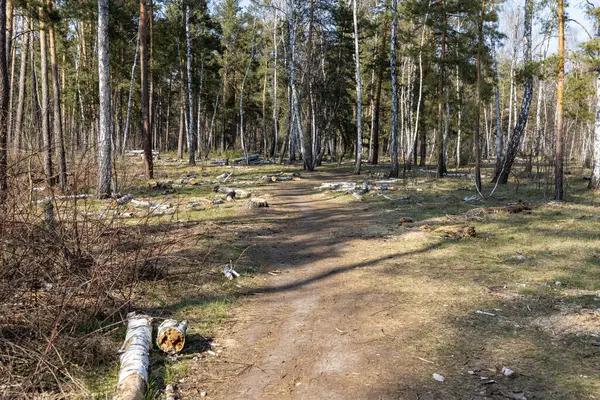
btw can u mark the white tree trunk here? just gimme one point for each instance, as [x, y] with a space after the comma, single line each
[358, 91]
[126, 130]
[394, 130]
[105, 138]
[191, 133]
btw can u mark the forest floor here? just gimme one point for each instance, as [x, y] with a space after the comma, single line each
[338, 300]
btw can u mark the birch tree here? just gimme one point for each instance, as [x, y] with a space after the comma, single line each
[393, 73]
[145, 101]
[503, 172]
[358, 91]
[191, 132]
[104, 137]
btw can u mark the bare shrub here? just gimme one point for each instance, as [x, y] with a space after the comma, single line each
[69, 270]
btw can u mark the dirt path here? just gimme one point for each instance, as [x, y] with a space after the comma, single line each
[320, 329]
[360, 310]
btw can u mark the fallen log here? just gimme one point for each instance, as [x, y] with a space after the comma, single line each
[256, 202]
[133, 153]
[455, 231]
[171, 336]
[71, 197]
[251, 157]
[516, 208]
[123, 200]
[150, 205]
[133, 374]
[239, 193]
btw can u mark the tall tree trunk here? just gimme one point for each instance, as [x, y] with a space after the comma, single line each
[21, 100]
[145, 123]
[242, 135]
[131, 82]
[595, 181]
[560, 146]
[3, 104]
[503, 173]
[46, 133]
[497, 103]
[35, 102]
[358, 91]
[309, 161]
[275, 55]
[105, 137]
[191, 133]
[181, 127]
[441, 162]
[394, 75]
[57, 120]
[478, 94]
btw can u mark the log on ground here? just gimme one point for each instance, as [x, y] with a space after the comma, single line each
[171, 336]
[133, 374]
[256, 202]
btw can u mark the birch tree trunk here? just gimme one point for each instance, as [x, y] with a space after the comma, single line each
[21, 100]
[105, 137]
[57, 120]
[242, 135]
[394, 75]
[146, 134]
[131, 81]
[191, 132]
[595, 180]
[275, 55]
[478, 94]
[46, 133]
[497, 103]
[358, 91]
[503, 173]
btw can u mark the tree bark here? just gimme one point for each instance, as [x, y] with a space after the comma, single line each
[145, 123]
[191, 132]
[503, 173]
[3, 105]
[394, 75]
[358, 91]
[105, 137]
[18, 135]
[478, 94]
[560, 146]
[46, 133]
[57, 120]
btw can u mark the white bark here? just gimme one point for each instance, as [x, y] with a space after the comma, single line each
[191, 133]
[171, 336]
[105, 138]
[394, 130]
[133, 374]
[125, 134]
[242, 136]
[358, 91]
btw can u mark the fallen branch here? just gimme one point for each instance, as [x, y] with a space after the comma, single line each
[72, 197]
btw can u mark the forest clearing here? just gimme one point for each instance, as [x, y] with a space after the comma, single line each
[337, 296]
[299, 199]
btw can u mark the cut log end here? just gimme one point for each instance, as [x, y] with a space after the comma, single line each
[258, 203]
[171, 341]
[171, 336]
